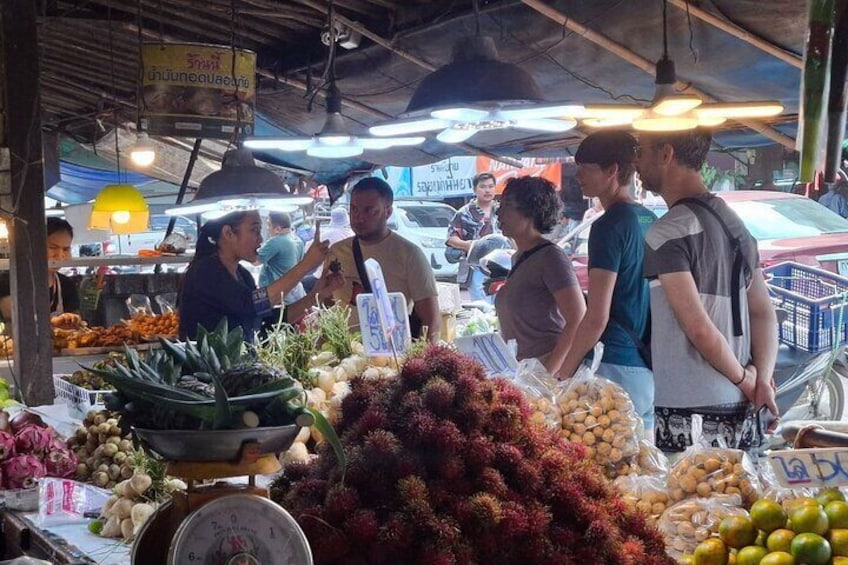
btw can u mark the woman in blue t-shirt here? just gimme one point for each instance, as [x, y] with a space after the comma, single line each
[619, 299]
[217, 286]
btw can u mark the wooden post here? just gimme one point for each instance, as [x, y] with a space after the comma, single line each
[25, 200]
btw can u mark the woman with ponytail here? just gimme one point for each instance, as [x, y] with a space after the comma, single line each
[216, 286]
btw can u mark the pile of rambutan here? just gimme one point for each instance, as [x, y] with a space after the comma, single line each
[444, 466]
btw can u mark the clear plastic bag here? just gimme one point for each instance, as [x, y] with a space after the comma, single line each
[540, 389]
[63, 501]
[600, 415]
[687, 523]
[167, 302]
[139, 305]
[645, 493]
[704, 471]
[649, 461]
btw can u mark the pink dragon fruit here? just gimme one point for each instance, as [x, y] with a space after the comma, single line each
[33, 440]
[7, 446]
[22, 471]
[61, 462]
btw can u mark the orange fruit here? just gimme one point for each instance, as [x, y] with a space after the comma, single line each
[768, 515]
[731, 559]
[838, 542]
[793, 503]
[778, 558]
[811, 549]
[761, 538]
[711, 551]
[737, 531]
[809, 519]
[780, 540]
[839, 561]
[829, 495]
[751, 555]
[686, 559]
[837, 514]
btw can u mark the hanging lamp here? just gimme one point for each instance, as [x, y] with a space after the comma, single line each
[334, 141]
[240, 185]
[674, 111]
[459, 98]
[120, 208]
[143, 152]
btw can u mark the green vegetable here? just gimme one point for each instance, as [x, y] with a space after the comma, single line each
[95, 527]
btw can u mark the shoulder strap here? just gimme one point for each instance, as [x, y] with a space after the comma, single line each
[526, 255]
[738, 262]
[643, 347]
[360, 266]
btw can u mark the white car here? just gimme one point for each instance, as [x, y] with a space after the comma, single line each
[425, 223]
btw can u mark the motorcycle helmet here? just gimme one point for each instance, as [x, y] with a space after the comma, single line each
[485, 245]
[497, 263]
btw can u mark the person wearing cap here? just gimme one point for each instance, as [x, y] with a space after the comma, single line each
[216, 286]
[280, 253]
[405, 267]
[619, 298]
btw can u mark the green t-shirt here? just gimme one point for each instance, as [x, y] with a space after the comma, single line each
[617, 244]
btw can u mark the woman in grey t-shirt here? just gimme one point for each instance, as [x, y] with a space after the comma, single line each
[541, 303]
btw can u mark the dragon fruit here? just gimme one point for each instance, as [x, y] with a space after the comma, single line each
[33, 440]
[61, 462]
[7, 446]
[22, 471]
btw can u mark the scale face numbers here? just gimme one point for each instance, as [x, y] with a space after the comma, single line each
[239, 529]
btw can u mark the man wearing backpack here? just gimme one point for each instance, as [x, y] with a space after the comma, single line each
[714, 329]
[619, 300]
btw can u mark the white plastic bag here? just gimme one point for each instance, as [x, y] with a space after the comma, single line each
[691, 521]
[63, 501]
[540, 389]
[644, 493]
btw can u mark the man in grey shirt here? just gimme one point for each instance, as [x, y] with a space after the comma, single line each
[709, 302]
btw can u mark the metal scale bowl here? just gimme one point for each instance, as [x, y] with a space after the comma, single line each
[222, 523]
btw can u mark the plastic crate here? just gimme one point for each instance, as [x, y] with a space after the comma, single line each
[78, 399]
[816, 303]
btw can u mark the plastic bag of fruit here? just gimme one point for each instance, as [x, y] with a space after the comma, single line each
[600, 415]
[649, 461]
[689, 522]
[167, 302]
[645, 493]
[540, 388]
[705, 471]
[139, 305]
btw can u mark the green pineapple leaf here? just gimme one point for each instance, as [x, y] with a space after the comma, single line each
[177, 353]
[278, 385]
[326, 429]
[223, 413]
[223, 326]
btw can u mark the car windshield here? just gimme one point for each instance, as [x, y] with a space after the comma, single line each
[429, 216]
[788, 217]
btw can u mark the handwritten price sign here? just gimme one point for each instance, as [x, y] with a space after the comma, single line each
[821, 467]
[374, 337]
[491, 351]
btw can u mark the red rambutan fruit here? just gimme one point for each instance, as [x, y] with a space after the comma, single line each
[505, 422]
[382, 447]
[435, 554]
[438, 396]
[363, 526]
[514, 521]
[447, 437]
[414, 373]
[450, 468]
[339, 503]
[491, 481]
[414, 494]
[479, 452]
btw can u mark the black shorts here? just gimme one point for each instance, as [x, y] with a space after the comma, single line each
[730, 425]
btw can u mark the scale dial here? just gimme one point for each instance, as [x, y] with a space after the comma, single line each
[239, 529]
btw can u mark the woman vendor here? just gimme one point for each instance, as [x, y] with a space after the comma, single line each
[541, 303]
[64, 298]
[216, 286]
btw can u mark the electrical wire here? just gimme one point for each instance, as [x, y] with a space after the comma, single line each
[114, 90]
[691, 33]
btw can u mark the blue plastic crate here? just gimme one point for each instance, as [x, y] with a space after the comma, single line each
[816, 302]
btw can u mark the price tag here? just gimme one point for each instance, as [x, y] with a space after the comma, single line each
[388, 319]
[491, 351]
[374, 337]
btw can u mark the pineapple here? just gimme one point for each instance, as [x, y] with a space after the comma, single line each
[192, 383]
[247, 376]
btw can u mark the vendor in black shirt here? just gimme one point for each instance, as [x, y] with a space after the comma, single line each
[64, 298]
[216, 286]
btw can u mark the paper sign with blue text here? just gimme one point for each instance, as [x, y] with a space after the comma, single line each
[373, 336]
[381, 295]
[491, 351]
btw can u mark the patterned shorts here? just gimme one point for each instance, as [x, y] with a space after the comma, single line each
[729, 425]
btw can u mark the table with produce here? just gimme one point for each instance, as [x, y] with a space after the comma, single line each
[423, 458]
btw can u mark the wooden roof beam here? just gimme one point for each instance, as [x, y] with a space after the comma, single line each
[649, 67]
[740, 33]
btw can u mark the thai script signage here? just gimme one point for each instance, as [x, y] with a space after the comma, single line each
[196, 90]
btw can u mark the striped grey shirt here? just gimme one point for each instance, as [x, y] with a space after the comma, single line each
[691, 239]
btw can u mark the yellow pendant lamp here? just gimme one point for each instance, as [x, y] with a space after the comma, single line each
[120, 208]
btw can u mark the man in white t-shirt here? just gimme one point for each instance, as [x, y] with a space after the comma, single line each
[404, 265]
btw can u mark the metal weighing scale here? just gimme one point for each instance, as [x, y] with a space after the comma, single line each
[222, 523]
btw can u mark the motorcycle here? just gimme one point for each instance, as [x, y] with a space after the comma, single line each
[492, 254]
